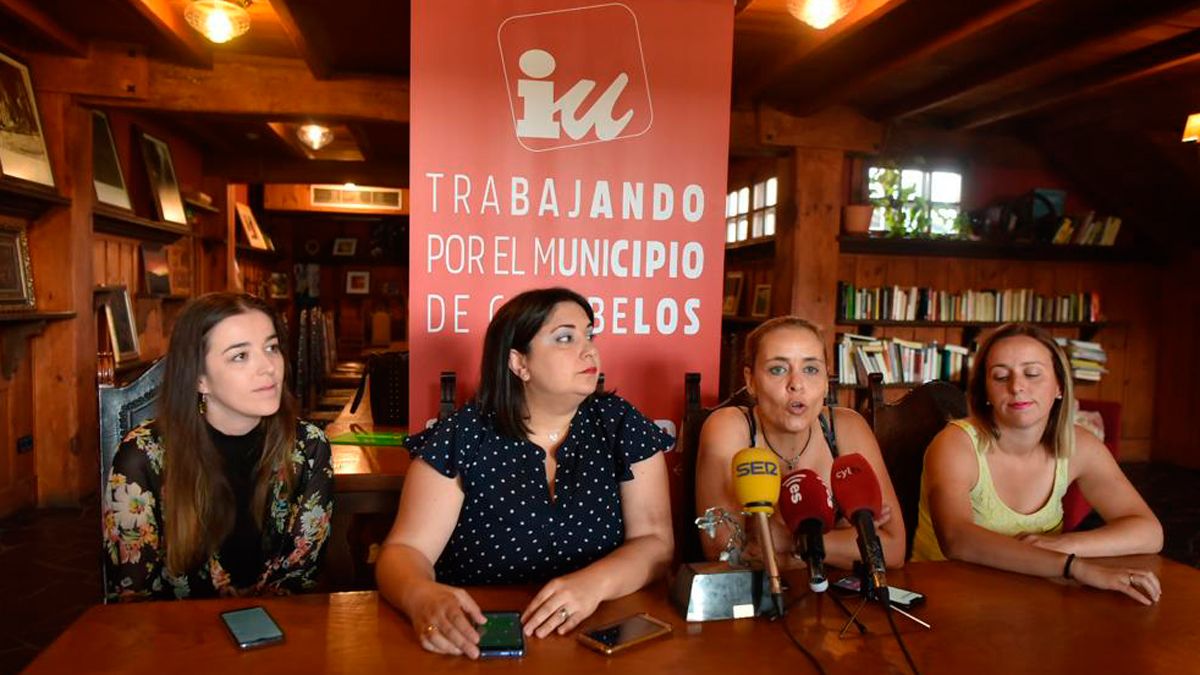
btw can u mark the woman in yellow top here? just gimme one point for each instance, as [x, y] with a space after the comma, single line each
[993, 484]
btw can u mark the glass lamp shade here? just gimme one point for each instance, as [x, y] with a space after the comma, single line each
[218, 20]
[314, 136]
[820, 14]
[1191, 130]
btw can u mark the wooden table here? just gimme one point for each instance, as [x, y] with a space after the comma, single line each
[366, 481]
[984, 621]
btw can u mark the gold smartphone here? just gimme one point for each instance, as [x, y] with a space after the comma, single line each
[624, 633]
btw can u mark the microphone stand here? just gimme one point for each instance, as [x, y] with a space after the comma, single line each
[868, 591]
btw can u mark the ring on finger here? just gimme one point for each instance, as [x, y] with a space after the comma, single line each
[429, 630]
[564, 613]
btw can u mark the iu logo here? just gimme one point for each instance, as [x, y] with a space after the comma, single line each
[575, 76]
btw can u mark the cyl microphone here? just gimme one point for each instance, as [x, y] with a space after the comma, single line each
[756, 486]
[857, 492]
[807, 508]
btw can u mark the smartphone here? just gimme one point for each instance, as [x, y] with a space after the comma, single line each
[900, 597]
[501, 636]
[252, 627]
[625, 633]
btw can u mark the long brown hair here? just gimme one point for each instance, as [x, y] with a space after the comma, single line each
[198, 503]
[1059, 435]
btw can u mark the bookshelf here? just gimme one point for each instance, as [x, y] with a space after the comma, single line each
[959, 248]
[971, 329]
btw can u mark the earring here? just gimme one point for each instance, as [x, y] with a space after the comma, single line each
[202, 406]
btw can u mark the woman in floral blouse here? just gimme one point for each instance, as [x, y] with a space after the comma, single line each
[226, 492]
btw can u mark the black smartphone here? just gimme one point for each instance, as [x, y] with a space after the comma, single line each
[900, 597]
[252, 627]
[501, 636]
[634, 630]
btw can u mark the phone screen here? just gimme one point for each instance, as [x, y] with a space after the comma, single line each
[501, 635]
[252, 627]
[629, 630]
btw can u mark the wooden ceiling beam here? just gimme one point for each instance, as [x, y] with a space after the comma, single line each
[45, 27]
[169, 23]
[1089, 34]
[915, 52]
[863, 15]
[271, 87]
[1133, 67]
[249, 169]
[317, 63]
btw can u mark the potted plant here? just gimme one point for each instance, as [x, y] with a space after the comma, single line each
[905, 212]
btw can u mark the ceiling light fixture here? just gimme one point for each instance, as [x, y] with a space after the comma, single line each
[1191, 130]
[820, 14]
[314, 136]
[218, 20]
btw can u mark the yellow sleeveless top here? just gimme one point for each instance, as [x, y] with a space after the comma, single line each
[988, 510]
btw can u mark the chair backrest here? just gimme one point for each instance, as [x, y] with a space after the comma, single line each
[687, 537]
[1075, 507]
[904, 430]
[449, 392]
[124, 407]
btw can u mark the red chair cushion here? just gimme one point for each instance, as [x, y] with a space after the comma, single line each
[1075, 507]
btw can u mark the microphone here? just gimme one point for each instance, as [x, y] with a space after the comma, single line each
[857, 491]
[807, 508]
[756, 486]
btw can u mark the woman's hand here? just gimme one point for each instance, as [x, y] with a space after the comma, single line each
[445, 618]
[560, 606]
[1141, 585]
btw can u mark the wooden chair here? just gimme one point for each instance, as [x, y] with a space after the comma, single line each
[904, 430]
[1076, 509]
[123, 407]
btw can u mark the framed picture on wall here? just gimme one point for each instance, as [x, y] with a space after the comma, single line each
[122, 328]
[157, 272]
[16, 274]
[358, 283]
[254, 236]
[345, 246]
[179, 266]
[163, 185]
[732, 294]
[106, 166]
[22, 147]
[278, 285]
[762, 300]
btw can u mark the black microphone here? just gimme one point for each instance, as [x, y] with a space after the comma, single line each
[807, 508]
[857, 491]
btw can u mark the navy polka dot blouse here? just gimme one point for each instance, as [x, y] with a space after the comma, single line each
[509, 532]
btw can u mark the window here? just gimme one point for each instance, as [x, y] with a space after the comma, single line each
[936, 194]
[750, 211]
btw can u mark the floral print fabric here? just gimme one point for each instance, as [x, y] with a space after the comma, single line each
[294, 530]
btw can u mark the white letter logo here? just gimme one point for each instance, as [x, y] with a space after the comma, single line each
[575, 76]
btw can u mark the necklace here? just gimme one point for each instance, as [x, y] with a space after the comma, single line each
[553, 436]
[789, 463]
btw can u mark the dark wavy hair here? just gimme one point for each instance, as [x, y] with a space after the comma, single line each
[198, 502]
[501, 393]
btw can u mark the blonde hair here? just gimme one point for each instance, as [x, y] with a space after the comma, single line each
[1059, 435]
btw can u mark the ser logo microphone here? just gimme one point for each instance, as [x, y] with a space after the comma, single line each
[757, 468]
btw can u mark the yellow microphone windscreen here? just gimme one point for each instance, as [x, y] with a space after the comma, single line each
[756, 480]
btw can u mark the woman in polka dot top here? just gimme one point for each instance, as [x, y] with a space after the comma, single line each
[540, 480]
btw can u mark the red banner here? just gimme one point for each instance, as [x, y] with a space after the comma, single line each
[586, 146]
